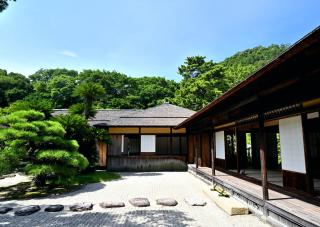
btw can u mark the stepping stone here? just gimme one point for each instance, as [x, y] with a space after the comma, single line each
[27, 210]
[4, 210]
[139, 202]
[81, 207]
[230, 205]
[54, 208]
[193, 201]
[167, 202]
[111, 204]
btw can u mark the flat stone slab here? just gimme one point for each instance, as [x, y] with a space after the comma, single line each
[167, 202]
[81, 207]
[111, 204]
[139, 202]
[4, 210]
[54, 208]
[230, 205]
[194, 201]
[27, 210]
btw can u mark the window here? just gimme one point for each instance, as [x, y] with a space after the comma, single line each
[163, 145]
[184, 146]
[148, 143]
[131, 144]
[175, 145]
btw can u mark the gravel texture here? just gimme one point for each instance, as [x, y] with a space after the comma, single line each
[151, 185]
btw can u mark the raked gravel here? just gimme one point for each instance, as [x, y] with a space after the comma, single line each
[151, 185]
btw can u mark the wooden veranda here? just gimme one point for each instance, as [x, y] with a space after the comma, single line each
[280, 207]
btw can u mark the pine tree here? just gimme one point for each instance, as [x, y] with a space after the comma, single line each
[26, 135]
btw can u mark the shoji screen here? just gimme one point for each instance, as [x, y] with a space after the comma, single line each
[291, 144]
[220, 147]
[148, 143]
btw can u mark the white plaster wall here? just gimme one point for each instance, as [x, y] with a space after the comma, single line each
[291, 144]
[148, 143]
[220, 145]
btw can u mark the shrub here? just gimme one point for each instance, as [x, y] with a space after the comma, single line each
[51, 158]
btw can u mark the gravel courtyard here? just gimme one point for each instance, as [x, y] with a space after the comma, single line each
[153, 185]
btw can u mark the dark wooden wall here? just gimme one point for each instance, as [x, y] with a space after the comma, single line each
[115, 147]
[205, 150]
[294, 180]
[272, 150]
[190, 149]
[255, 150]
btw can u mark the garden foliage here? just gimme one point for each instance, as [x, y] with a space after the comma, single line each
[26, 135]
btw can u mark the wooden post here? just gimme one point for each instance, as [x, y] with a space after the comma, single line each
[196, 149]
[309, 182]
[213, 154]
[263, 158]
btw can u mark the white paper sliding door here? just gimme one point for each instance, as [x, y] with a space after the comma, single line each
[291, 144]
[220, 145]
[148, 143]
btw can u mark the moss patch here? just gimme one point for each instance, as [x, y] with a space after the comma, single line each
[96, 177]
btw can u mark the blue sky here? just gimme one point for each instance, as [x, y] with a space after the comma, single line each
[144, 37]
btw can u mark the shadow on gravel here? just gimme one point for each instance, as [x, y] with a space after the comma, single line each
[140, 174]
[141, 217]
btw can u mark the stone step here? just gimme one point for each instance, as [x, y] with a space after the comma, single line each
[230, 205]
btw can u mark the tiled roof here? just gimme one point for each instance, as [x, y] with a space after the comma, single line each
[162, 115]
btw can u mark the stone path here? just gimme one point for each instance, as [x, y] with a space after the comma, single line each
[177, 185]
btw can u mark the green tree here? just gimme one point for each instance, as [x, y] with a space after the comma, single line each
[77, 128]
[195, 93]
[4, 4]
[120, 89]
[55, 84]
[194, 65]
[52, 159]
[13, 86]
[32, 102]
[126, 92]
[152, 91]
[240, 65]
[88, 93]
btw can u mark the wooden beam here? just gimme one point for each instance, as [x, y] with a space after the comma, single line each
[213, 154]
[263, 158]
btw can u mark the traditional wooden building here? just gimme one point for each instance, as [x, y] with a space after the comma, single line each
[266, 131]
[142, 139]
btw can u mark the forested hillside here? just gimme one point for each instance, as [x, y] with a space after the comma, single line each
[202, 81]
[243, 63]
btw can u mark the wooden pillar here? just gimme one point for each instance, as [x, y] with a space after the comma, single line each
[213, 154]
[309, 180]
[263, 159]
[196, 149]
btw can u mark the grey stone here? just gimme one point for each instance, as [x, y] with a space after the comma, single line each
[167, 202]
[54, 208]
[81, 207]
[4, 210]
[139, 202]
[27, 210]
[111, 204]
[193, 201]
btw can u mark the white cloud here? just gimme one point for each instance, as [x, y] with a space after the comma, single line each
[69, 53]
